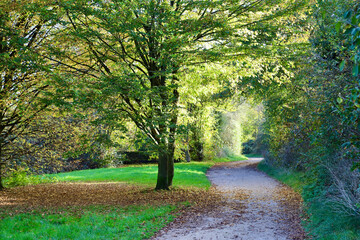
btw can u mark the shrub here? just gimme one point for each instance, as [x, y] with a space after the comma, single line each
[23, 176]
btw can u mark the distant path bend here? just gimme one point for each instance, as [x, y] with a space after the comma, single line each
[256, 207]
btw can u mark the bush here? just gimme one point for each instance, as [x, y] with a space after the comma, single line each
[248, 147]
[22, 176]
[137, 157]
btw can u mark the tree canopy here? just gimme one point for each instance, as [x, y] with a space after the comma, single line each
[23, 72]
[131, 54]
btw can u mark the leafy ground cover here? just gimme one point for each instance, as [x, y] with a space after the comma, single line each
[319, 220]
[117, 203]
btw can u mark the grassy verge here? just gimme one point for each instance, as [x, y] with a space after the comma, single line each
[253, 155]
[295, 180]
[321, 222]
[229, 159]
[96, 222]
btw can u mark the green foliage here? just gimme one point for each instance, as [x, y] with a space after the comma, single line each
[240, 126]
[97, 222]
[61, 141]
[349, 101]
[232, 158]
[23, 176]
[350, 25]
[132, 55]
[23, 72]
[311, 121]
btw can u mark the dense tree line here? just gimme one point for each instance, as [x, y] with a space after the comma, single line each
[312, 115]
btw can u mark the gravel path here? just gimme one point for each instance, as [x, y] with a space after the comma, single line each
[255, 206]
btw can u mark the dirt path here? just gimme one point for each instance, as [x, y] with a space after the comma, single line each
[255, 207]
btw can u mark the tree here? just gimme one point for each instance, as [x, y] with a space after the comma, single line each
[205, 91]
[23, 72]
[133, 51]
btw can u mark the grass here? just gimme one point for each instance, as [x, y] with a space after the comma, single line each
[229, 159]
[94, 222]
[321, 222]
[295, 180]
[192, 174]
[252, 155]
[186, 174]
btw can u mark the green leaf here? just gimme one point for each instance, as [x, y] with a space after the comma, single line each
[338, 26]
[347, 14]
[355, 166]
[348, 31]
[354, 31]
[356, 70]
[354, 20]
[339, 100]
[342, 65]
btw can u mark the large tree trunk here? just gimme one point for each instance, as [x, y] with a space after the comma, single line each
[163, 172]
[166, 167]
[166, 157]
[173, 128]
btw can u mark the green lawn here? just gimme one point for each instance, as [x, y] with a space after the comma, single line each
[186, 174]
[95, 222]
